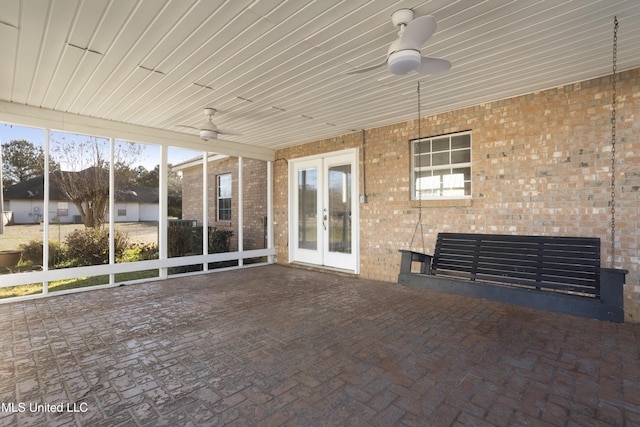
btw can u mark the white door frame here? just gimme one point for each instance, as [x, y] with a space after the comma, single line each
[320, 256]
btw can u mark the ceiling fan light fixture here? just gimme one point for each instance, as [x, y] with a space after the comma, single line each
[207, 134]
[404, 61]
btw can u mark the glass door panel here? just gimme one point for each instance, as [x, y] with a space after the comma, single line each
[339, 215]
[306, 224]
[308, 209]
[339, 202]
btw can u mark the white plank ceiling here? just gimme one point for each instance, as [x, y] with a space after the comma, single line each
[275, 69]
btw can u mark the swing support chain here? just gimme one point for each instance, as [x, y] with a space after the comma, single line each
[613, 143]
[419, 190]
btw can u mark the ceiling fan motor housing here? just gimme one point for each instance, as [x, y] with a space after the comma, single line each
[402, 17]
[404, 61]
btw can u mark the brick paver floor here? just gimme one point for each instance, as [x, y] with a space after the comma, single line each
[272, 346]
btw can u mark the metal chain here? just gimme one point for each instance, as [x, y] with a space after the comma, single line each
[613, 143]
[419, 190]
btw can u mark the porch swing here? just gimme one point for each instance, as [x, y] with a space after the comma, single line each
[556, 273]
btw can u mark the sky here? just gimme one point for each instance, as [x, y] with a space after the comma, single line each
[149, 157]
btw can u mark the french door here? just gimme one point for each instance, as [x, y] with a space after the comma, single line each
[323, 219]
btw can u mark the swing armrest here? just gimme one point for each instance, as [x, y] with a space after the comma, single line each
[409, 256]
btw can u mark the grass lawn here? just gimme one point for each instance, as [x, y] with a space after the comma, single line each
[14, 235]
[80, 282]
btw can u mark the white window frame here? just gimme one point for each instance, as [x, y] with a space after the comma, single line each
[219, 197]
[416, 166]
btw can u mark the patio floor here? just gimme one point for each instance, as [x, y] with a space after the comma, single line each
[274, 346]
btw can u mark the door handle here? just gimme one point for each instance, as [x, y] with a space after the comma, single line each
[324, 219]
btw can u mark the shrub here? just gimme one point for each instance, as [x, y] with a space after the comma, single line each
[147, 250]
[139, 252]
[187, 240]
[179, 240]
[57, 254]
[219, 241]
[32, 253]
[90, 246]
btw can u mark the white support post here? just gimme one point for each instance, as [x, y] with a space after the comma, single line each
[45, 213]
[205, 207]
[112, 199]
[163, 222]
[240, 213]
[270, 243]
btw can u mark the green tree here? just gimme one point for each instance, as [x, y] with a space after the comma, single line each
[151, 179]
[174, 194]
[22, 160]
[147, 178]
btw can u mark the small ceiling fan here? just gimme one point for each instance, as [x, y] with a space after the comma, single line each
[208, 130]
[404, 56]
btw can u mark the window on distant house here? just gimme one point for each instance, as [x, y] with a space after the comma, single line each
[441, 167]
[224, 197]
[122, 210]
[63, 209]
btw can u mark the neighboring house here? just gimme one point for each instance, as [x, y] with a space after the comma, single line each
[26, 201]
[223, 209]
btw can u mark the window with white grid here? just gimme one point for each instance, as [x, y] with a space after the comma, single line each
[441, 167]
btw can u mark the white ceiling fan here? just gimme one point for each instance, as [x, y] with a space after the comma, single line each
[208, 130]
[404, 56]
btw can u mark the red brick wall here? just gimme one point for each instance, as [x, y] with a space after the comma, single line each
[541, 165]
[254, 203]
[254, 196]
[192, 193]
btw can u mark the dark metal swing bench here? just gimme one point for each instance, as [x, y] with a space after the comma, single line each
[560, 274]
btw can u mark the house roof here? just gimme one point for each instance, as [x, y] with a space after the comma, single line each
[196, 161]
[34, 189]
[276, 70]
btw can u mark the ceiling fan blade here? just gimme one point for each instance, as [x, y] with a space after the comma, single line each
[228, 132]
[417, 32]
[373, 67]
[188, 127]
[433, 65]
